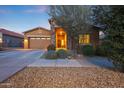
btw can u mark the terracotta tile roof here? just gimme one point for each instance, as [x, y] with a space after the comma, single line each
[7, 32]
[37, 28]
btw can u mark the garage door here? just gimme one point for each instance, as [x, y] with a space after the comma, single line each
[39, 42]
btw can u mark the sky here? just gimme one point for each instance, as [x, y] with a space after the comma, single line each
[20, 18]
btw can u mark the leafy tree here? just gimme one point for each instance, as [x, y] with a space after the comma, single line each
[73, 19]
[112, 19]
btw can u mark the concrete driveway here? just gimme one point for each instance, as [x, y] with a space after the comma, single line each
[14, 61]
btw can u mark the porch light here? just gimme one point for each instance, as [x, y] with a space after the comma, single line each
[25, 43]
[0, 40]
[25, 40]
[60, 32]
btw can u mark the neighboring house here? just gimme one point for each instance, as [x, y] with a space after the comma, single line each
[37, 38]
[10, 39]
[62, 41]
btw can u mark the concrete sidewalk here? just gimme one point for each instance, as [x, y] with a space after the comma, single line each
[79, 62]
[56, 63]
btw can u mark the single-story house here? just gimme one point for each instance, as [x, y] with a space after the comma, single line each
[62, 41]
[37, 38]
[10, 39]
[41, 38]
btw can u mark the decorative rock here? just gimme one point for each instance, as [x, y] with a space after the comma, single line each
[65, 77]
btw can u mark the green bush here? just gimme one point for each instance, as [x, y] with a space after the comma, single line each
[58, 54]
[103, 49]
[117, 57]
[51, 47]
[51, 55]
[62, 53]
[118, 61]
[70, 54]
[87, 50]
[115, 54]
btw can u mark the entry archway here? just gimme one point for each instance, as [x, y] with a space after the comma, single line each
[61, 39]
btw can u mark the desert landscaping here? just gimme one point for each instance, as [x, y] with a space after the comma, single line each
[65, 77]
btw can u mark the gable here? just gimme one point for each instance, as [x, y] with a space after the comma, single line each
[11, 33]
[37, 31]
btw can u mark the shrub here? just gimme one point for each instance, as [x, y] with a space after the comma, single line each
[51, 47]
[70, 54]
[62, 53]
[117, 58]
[118, 61]
[103, 49]
[114, 52]
[87, 50]
[51, 55]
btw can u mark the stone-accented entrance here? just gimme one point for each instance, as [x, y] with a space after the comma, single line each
[61, 39]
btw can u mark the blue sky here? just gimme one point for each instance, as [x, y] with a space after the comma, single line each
[20, 18]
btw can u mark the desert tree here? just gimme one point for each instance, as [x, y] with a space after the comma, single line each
[74, 19]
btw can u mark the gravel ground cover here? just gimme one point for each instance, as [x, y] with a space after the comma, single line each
[69, 77]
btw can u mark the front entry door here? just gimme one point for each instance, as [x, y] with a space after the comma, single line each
[61, 39]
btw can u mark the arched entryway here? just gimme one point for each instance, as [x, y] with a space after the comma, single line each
[61, 39]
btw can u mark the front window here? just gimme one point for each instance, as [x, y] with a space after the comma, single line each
[84, 39]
